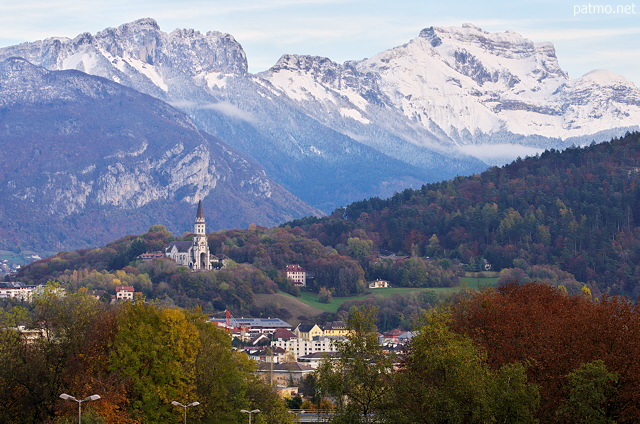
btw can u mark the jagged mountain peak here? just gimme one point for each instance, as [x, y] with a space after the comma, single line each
[501, 43]
[304, 63]
[139, 54]
[140, 24]
[471, 40]
[477, 85]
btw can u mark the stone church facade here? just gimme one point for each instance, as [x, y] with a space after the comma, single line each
[195, 254]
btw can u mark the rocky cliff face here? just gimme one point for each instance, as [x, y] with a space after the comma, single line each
[79, 151]
[448, 102]
[206, 76]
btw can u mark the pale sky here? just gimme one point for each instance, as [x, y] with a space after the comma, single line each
[587, 36]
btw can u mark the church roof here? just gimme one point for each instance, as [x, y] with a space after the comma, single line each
[182, 246]
[200, 214]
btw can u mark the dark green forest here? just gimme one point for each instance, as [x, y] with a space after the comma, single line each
[575, 211]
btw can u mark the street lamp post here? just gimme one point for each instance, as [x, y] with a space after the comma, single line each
[176, 403]
[255, 411]
[87, 399]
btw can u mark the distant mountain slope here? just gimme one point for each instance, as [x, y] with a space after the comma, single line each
[86, 160]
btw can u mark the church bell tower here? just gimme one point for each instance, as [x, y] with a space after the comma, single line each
[200, 250]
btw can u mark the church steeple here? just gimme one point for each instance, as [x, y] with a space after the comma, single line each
[199, 214]
[196, 255]
[200, 248]
[199, 227]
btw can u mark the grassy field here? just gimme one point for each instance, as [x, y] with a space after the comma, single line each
[474, 283]
[477, 283]
[11, 256]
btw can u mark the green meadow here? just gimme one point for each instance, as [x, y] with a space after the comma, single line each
[473, 283]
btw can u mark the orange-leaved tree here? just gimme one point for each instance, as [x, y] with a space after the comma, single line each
[555, 334]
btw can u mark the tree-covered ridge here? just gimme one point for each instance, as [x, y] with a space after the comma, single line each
[257, 259]
[577, 210]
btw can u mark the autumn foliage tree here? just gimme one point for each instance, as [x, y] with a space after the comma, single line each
[360, 378]
[556, 334]
[445, 378]
[137, 356]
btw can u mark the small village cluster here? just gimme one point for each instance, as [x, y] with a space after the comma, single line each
[25, 292]
[286, 354]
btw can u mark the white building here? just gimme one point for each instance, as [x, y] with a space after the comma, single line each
[195, 254]
[299, 347]
[379, 284]
[20, 291]
[124, 293]
[297, 275]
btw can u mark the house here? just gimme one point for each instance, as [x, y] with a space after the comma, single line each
[297, 275]
[392, 335]
[405, 337]
[314, 359]
[260, 339]
[195, 253]
[146, 257]
[308, 331]
[98, 294]
[124, 293]
[284, 334]
[379, 284]
[265, 353]
[335, 328]
[287, 392]
[286, 374]
[20, 291]
[32, 335]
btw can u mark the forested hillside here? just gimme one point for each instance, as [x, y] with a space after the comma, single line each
[539, 218]
[567, 218]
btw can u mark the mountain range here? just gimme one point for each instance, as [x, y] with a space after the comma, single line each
[449, 102]
[85, 158]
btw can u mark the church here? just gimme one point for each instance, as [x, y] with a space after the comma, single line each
[194, 254]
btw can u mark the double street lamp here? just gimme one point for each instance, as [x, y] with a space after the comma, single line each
[176, 403]
[255, 411]
[87, 399]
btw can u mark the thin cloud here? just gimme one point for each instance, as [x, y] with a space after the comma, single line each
[230, 110]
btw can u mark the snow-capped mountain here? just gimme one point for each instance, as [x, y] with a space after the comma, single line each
[446, 103]
[472, 90]
[85, 160]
